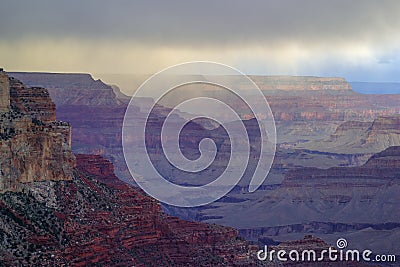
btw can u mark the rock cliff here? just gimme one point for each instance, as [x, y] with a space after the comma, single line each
[33, 145]
[4, 92]
[71, 88]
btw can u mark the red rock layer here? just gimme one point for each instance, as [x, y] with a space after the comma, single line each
[126, 227]
[97, 220]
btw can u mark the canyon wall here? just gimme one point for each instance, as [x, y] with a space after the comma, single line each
[33, 145]
[4, 92]
[356, 137]
[71, 88]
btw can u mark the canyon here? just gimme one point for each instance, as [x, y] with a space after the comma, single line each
[325, 131]
[306, 109]
[57, 209]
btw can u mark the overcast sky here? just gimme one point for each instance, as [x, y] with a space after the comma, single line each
[359, 40]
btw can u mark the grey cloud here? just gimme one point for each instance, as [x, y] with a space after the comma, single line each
[204, 22]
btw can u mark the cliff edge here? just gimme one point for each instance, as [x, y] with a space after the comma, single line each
[33, 145]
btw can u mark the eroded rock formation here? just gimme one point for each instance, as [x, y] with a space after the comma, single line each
[33, 145]
[71, 88]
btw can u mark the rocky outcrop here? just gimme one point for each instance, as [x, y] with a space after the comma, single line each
[321, 106]
[386, 123]
[387, 159]
[33, 145]
[4, 92]
[32, 101]
[96, 219]
[71, 88]
[92, 108]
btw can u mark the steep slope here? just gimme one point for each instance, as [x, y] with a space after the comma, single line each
[97, 219]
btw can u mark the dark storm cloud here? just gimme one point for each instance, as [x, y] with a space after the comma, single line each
[202, 22]
[357, 39]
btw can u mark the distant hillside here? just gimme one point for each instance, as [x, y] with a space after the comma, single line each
[356, 203]
[270, 84]
[361, 137]
[302, 83]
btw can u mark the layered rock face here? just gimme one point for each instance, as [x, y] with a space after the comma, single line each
[32, 101]
[33, 145]
[387, 159]
[325, 107]
[91, 107]
[341, 193]
[95, 219]
[4, 92]
[380, 169]
[71, 89]
[356, 137]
